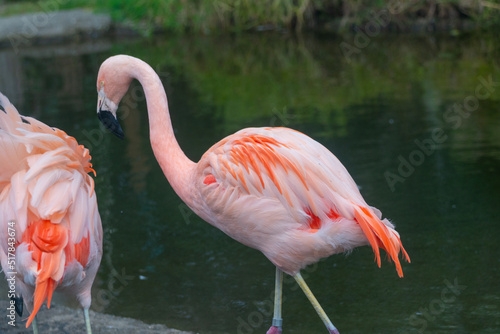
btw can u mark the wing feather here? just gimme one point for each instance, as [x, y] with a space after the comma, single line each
[274, 163]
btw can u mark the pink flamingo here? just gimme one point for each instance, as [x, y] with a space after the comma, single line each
[50, 228]
[273, 189]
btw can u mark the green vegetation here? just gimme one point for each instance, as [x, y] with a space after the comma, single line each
[208, 16]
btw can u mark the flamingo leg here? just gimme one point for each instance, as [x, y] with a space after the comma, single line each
[300, 281]
[34, 326]
[277, 325]
[87, 320]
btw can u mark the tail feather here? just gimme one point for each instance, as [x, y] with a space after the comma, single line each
[381, 236]
[43, 291]
[47, 242]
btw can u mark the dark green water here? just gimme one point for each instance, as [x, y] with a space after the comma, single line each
[413, 119]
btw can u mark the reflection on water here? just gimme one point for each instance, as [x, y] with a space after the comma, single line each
[377, 112]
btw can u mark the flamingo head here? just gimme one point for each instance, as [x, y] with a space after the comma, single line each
[112, 84]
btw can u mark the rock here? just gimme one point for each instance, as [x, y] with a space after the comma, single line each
[61, 319]
[24, 30]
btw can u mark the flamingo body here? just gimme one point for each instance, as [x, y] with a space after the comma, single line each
[273, 189]
[48, 205]
[285, 194]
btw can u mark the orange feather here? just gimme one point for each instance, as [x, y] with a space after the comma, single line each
[380, 236]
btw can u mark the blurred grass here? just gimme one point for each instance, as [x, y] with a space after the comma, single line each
[208, 16]
[15, 7]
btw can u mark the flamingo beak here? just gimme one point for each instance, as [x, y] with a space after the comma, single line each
[108, 118]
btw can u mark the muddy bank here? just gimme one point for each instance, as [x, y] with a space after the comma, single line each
[61, 319]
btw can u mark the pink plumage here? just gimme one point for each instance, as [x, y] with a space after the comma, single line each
[281, 192]
[48, 211]
[273, 189]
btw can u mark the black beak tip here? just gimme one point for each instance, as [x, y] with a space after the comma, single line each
[111, 123]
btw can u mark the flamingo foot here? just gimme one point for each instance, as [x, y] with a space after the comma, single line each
[334, 331]
[274, 330]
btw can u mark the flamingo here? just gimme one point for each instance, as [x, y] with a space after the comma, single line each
[50, 228]
[273, 189]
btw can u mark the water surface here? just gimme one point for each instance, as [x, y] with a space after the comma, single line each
[376, 111]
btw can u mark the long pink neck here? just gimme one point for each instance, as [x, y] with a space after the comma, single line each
[175, 164]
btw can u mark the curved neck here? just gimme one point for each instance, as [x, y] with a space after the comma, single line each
[176, 166]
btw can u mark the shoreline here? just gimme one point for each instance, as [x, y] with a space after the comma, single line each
[62, 319]
[75, 25]
[64, 26]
